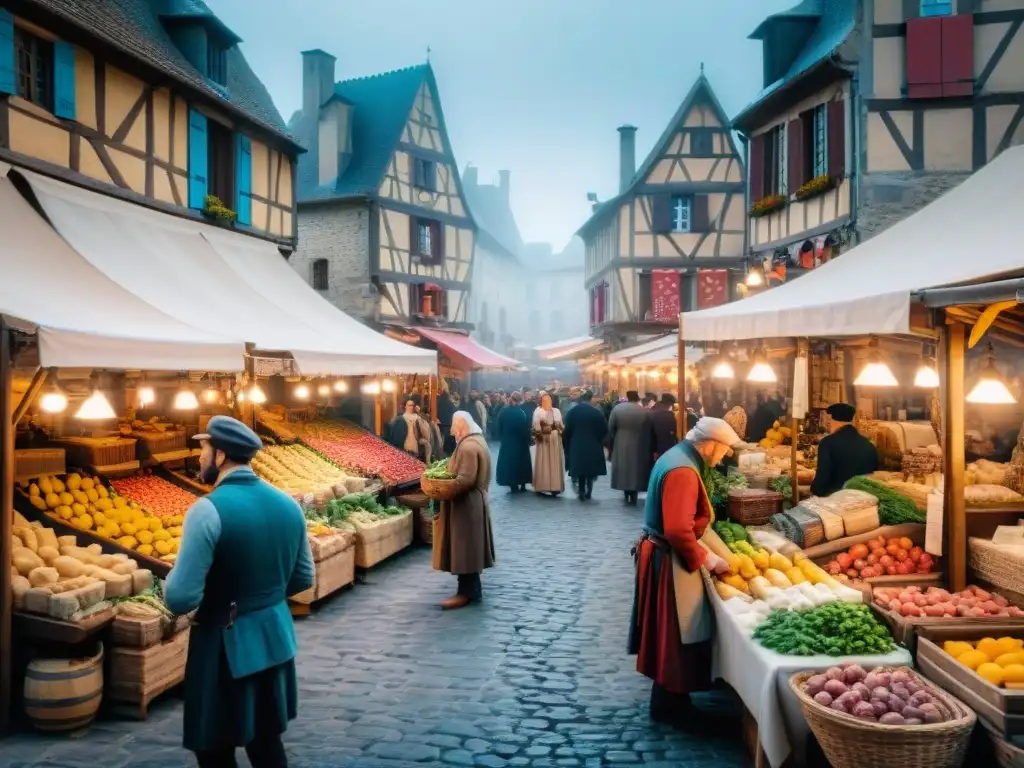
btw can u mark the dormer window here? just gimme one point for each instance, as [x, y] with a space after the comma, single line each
[216, 63]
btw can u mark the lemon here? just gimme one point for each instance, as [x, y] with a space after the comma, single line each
[956, 648]
[66, 513]
[1013, 673]
[52, 500]
[33, 490]
[80, 497]
[128, 542]
[1010, 645]
[163, 547]
[993, 673]
[145, 549]
[91, 493]
[74, 481]
[120, 502]
[66, 498]
[1006, 659]
[990, 647]
[972, 659]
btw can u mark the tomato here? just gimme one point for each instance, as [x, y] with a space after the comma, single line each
[906, 543]
[915, 553]
[845, 560]
[858, 551]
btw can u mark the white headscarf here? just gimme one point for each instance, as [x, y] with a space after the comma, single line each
[474, 428]
[709, 428]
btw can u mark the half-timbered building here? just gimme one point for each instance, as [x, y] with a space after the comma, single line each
[870, 110]
[384, 230]
[672, 239]
[146, 100]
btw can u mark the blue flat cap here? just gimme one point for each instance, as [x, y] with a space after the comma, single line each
[231, 436]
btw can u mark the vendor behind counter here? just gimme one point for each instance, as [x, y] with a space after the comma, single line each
[844, 453]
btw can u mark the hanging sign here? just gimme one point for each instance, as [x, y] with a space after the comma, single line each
[712, 288]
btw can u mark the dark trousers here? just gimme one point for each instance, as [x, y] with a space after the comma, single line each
[263, 752]
[584, 487]
[469, 585]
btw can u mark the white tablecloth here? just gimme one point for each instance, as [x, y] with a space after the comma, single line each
[761, 678]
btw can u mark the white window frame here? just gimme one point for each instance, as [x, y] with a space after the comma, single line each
[936, 8]
[423, 234]
[819, 126]
[682, 213]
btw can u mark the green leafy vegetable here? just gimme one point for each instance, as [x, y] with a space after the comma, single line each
[833, 629]
[439, 471]
[893, 508]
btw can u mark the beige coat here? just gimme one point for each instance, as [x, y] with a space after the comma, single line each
[463, 542]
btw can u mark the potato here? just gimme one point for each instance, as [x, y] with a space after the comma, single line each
[47, 538]
[96, 549]
[67, 541]
[28, 537]
[26, 561]
[41, 577]
[127, 567]
[48, 554]
[68, 567]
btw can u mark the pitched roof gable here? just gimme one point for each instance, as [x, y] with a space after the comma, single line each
[700, 90]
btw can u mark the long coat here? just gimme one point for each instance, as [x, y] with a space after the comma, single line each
[514, 464]
[585, 431]
[842, 455]
[663, 428]
[463, 542]
[629, 437]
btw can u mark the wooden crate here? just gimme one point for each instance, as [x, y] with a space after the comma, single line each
[31, 463]
[375, 545]
[136, 676]
[132, 632]
[330, 575]
[905, 629]
[98, 451]
[152, 443]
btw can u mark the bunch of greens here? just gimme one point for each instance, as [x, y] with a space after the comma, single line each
[729, 532]
[438, 470]
[718, 486]
[337, 510]
[893, 508]
[833, 629]
[782, 484]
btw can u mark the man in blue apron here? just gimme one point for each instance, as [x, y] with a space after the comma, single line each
[243, 552]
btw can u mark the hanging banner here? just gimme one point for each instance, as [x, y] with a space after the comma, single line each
[664, 295]
[801, 396]
[712, 288]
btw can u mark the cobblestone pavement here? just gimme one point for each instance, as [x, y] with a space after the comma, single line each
[536, 675]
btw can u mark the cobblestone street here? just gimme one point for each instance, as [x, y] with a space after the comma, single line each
[535, 676]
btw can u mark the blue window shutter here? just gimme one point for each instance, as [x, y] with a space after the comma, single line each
[243, 178]
[197, 162]
[8, 82]
[64, 80]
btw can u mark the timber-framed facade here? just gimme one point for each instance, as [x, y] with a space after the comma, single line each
[164, 113]
[385, 232]
[672, 239]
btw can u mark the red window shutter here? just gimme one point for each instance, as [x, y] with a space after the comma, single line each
[757, 168]
[835, 121]
[958, 55]
[924, 57]
[798, 174]
[700, 219]
[661, 214]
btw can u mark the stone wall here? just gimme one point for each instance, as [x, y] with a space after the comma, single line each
[340, 233]
[886, 198]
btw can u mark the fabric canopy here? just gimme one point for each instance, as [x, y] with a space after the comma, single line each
[222, 281]
[85, 319]
[461, 346]
[663, 350]
[968, 235]
[567, 347]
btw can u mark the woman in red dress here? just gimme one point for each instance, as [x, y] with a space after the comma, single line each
[671, 626]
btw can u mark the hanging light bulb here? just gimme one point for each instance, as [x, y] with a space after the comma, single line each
[761, 371]
[991, 388]
[723, 370]
[323, 390]
[256, 395]
[754, 277]
[340, 386]
[370, 388]
[96, 408]
[240, 396]
[146, 396]
[186, 400]
[211, 394]
[54, 402]
[926, 377]
[388, 385]
[302, 392]
[655, 374]
[876, 373]
[673, 377]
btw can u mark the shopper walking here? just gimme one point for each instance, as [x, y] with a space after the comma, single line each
[463, 541]
[585, 431]
[663, 425]
[514, 466]
[629, 441]
[243, 552]
[549, 458]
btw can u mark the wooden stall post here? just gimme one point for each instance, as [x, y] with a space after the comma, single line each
[433, 398]
[6, 521]
[680, 383]
[953, 446]
[801, 349]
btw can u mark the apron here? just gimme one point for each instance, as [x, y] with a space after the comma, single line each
[696, 619]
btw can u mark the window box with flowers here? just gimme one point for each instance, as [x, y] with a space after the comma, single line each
[766, 205]
[816, 186]
[214, 209]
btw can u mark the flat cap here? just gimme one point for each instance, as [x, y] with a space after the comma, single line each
[231, 436]
[842, 412]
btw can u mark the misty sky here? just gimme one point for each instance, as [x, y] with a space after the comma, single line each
[538, 90]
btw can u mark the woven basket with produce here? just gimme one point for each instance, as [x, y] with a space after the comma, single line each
[438, 483]
[889, 716]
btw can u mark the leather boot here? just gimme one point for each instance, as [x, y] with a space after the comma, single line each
[455, 602]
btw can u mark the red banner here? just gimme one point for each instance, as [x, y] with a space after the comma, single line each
[664, 296]
[712, 288]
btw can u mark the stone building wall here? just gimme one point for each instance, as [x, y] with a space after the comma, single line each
[886, 198]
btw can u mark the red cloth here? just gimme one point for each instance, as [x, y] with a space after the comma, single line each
[682, 492]
[664, 296]
[712, 288]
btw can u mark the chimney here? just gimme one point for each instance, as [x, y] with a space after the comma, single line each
[470, 177]
[317, 87]
[627, 155]
[503, 185]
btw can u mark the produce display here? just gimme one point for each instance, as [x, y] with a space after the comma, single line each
[358, 451]
[893, 507]
[351, 513]
[438, 470]
[776, 436]
[834, 629]
[999, 661]
[719, 485]
[881, 557]
[782, 484]
[296, 468]
[147, 604]
[85, 503]
[897, 697]
[154, 494]
[972, 603]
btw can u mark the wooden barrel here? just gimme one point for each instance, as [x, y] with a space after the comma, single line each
[63, 694]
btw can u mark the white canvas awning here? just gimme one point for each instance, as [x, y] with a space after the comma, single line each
[83, 318]
[222, 281]
[567, 347]
[660, 351]
[968, 235]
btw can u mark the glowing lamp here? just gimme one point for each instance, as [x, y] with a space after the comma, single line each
[340, 386]
[302, 392]
[323, 390]
[257, 395]
[388, 385]
[54, 402]
[754, 277]
[723, 370]
[761, 372]
[185, 401]
[926, 377]
[210, 395]
[96, 408]
[370, 388]
[991, 388]
[146, 396]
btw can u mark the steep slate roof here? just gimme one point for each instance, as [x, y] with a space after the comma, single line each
[494, 218]
[700, 88]
[134, 27]
[836, 22]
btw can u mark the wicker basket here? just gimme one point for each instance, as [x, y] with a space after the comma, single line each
[1007, 754]
[439, 490]
[752, 506]
[424, 525]
[98, 451]
[851, 743]
[999, 566]
[133, 632]
[35, 462]
[377, 544]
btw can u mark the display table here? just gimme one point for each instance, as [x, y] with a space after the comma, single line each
[761, 678]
